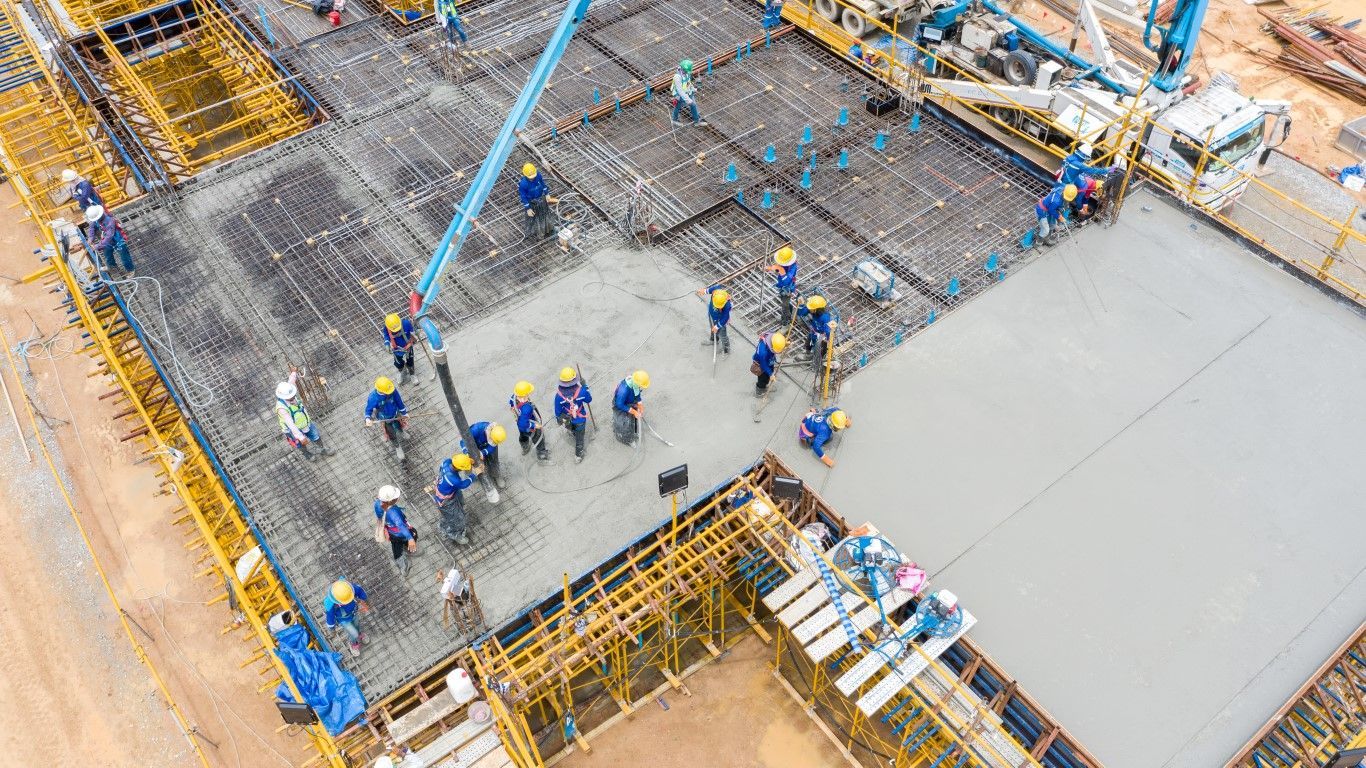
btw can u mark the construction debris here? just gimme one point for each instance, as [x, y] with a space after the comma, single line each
[1319, 49]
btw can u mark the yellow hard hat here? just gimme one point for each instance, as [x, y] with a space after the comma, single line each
[719, 298]
[839, 419]
[393, 322]
[815, 302]
[529, 171]
[785, 256]
[523, 389]
[343, 592]
[568, 374]
[496, 434]
[642, 379]
[778, 342]
[384, 386]
[1069, 192]
[462, 462]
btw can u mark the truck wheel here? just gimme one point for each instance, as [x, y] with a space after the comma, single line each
[853, 23]
[829, 9]
[1020, 68]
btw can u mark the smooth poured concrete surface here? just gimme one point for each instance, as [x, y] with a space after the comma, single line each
[1137, 460]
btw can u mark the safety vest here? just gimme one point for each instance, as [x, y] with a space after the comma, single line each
[297, 414]
[572, 402]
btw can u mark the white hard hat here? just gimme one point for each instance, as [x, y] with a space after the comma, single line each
[94, 213]
[947, 599]
[69, 175]
[388, 493]
[286, 391]
[1085, 148]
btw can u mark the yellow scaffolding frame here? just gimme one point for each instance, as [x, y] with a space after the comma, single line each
[42, 132]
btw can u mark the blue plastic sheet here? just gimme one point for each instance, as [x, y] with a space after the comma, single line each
[331, 691]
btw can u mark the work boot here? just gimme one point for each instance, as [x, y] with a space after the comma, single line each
[709, 342]
[326, 451]
[398, 452]
[403, 565]
[461, 540]
[578, 458]
[701, 124]
[526, 448]
[674, 122]
[500, 482]
[307, 453]
[760, 391]
[355, 650]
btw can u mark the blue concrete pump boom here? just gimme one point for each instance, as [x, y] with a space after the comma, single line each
[469, 208]
[1176, 44]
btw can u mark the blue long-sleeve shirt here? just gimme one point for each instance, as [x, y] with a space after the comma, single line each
[526, 415]
[108, 231]
[719, 317]
[625, 396]
[398, 342]
[764, 354]
[395, 520]
[1050, 205]
[451, 482]
[532, 188]
[83, 192]
[384, 407]
[336, 612]
[480, 432]
[572, 401]
[1075, 167]
[820, 321]
[816, 428]
[786, 280]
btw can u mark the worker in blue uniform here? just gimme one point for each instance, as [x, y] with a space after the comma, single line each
[487, 437]
[529, 423]
[82, 192]
[765, 360]
[773, 14]
[385, 405]
[628, 408]
[401, 341]
[1049, 212]
[535, 195]
[718, 316]
[819, 428]
[1087, 202]
[107, 236]
[456, 474]
[1077, 166]
[391, 525]
[343, 602]
[821, 324]
[784, 267]
[572, 400]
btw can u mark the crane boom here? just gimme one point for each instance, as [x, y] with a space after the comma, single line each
[1176, 44]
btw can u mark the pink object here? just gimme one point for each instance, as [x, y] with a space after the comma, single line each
[910, 578]
[335, 18]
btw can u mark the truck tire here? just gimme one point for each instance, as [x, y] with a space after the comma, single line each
[829, 9]
[853, 23]
[1020, 68]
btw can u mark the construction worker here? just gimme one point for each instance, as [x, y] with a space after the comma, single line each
[385, 405]
[627, 408]
[401, 341]
[449, 18]
[106, 235]
[82, 192]
[529, 422]
[1077, 166]
[785, 268]
[299, 429]
[816, 312]
[819, 428]
[535, 196]
[766, 360]
[343, 601]
[487, 437]
[1088, 200]
[773, 14]
[571, 407]
[1049, 211]
[685, 94]
[718, 316]
[391, 524]
[455, 476]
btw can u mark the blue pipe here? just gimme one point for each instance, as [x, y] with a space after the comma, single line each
[469, 208]
[1055, 49]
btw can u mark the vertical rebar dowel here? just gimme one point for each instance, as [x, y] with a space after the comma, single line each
[954, 287]
[597, 96]
[586, 121]
[747, 48]
[843, 119]
[915, 123]
[767, 202]
[800, 151]
[708, 66]
[649, 93]
[813, 159]
[879, 143]
[618, 108]
[844, 159]
[740, 196]
[731, 173]
[992, 261]
[806, 134]
[771, 154]
[806, 179]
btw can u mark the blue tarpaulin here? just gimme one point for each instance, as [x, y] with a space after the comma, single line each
[331, 691]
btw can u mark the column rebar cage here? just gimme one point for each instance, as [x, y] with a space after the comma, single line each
[87, 15]
[194, 86]
[44, 129]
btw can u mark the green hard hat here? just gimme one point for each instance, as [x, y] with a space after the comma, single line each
[685, 65]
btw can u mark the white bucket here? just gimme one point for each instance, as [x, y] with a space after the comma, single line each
[460, 686]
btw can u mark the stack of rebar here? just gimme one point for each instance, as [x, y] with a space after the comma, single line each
[1320, 49]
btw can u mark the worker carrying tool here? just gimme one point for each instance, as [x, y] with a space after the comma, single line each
[449, 18]
[385, 405]
[294, 420]
[106, 235]
[1049, 211]
[1088, 200]
[571, 407]
[816, 312]
[487, 437]
[529, 422]
[535, 196]
[627, 407]
[82, 192]
[818, 428]
[401, 341]
[785, 268]
[456, 474]
[685, 94]
[765, 361]
[718, 316]
[341, 606]
[391, 525]
[1077, 166]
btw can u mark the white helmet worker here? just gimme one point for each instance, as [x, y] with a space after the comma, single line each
[286, 391]
[69, 175]
[1085, 149]
[94, 213]
[388, 493]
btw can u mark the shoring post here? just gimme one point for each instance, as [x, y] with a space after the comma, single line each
[1339, 243]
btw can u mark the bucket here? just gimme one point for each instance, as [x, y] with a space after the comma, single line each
[460, 686]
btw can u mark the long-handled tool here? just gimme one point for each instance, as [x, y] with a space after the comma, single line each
[656, 434]
[578, 370]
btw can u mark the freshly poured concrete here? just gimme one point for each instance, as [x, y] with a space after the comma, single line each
[1137, 461]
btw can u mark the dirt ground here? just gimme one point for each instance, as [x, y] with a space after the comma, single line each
[73, 691]
[738, 716]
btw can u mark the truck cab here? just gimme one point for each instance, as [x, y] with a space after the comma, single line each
[1231, 125]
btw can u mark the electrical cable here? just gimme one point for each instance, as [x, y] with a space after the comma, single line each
[188, 383]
